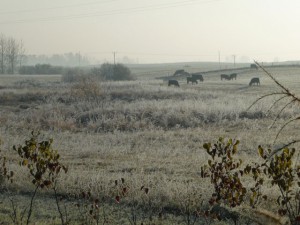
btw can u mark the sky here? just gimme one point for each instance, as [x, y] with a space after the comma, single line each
[157, 31]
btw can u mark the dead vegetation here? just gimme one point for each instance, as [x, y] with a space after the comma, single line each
[147, 133]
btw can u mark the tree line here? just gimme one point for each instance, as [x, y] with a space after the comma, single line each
[67, 60]
[41, 69]
[11, 54]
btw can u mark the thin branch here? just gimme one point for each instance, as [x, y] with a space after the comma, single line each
[278, 100]
[283, 147]
[285, 90]
[31, 204]
[57, 204]
[283, 108]
[284, 125]
[264, 96]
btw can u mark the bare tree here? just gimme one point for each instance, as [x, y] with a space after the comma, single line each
[3, 46]
[12, 54]
[21, 53]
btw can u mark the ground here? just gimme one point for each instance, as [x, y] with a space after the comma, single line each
[143, 131]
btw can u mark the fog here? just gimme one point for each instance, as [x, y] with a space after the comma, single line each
[157, 31]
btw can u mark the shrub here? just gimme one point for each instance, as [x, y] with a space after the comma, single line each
[278, 167]
[87, 89]
[73, 75]
[224, 173]
[43, 163]
[113, 72]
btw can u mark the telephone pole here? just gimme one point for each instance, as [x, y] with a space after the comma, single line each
[79, 59]
[219, 59]
[234, 60]
[114, 58]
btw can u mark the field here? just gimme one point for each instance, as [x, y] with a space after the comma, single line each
[142, 132]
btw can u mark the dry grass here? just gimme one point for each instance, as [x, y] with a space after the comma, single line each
[143, 131]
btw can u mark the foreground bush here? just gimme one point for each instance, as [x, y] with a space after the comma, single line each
[43, 163]
[277, 167]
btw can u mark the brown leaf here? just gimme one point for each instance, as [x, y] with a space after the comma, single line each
[118, 199]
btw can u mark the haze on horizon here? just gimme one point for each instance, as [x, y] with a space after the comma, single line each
[157, 31]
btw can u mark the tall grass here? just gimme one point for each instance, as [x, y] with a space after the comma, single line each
[143, 131]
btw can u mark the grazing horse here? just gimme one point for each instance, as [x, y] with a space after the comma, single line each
[225, 76]
[191, 79]
[198, 77]
[254, 80]
[253, 66]
[178, 72]
[233, 76]
[173, 82]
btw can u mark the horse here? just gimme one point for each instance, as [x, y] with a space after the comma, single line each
[254, 80]
[253, 66]
[178, 72]
[173, 82]
[225, 76]
[233, 75]
[198, 77]
[191, 79]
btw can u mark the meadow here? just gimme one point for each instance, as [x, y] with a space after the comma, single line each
[142, 135]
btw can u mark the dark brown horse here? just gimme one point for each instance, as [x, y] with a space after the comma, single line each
[191, 79]
[198, 77]
[225, 76]
[233, 76]
[254, 80]
[173, 82]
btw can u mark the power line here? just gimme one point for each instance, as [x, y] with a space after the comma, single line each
[113, 12]
[54, 8]
[166, 54]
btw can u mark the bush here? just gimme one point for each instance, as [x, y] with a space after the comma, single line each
[72, 75]
[113, 72]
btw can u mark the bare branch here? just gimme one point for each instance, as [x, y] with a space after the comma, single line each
[285, 90]
[283, 147]
[286, 94]
[284, 125]
[278, 100]
[264, 96]
[283, 108]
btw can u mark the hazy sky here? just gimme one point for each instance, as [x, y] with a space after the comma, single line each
[157, 30]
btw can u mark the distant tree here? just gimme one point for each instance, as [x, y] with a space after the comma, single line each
[68, 59]
[12, 54]
[3, 47]
[109, 71]
[21, 53]
[41, 69]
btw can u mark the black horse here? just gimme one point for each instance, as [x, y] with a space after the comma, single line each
[225, 76]
[253, 66]
[173, 82]
[233, 76]
[254, 80]
[191, 79]
[198, 77]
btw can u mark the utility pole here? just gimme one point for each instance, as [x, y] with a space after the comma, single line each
[114, 58]
[79, 58]
[219, 59]
[113, 69]
[234, 60]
